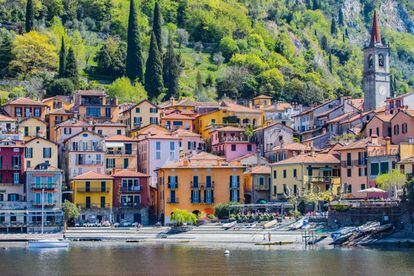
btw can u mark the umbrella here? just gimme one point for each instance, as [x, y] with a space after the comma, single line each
[373, 193]
[372, 190]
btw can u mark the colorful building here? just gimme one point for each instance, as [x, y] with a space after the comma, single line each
[176, 120]
[40, 150]
[379, 125]
[58, 102]
[93, 193]
[54, 118]
[402, 126]
[8, 128]
[121, 154]
[231, 142]
[93, 105]
[22, 108]
[109, 129]
[69, 128]
[190, 142]
[32, 127]
[273, 135]
[301, 174]
[132, 199]
[140, 115]
[257, 185]
[197, 184]
[285, 151]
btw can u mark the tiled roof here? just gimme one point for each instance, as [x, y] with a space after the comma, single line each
[185, 133]
[186, 102]
[233, 107]
[357, 103]
[362, 143]
[92, 175]
[109, 124]
[39, 138]
[138, 104]
[261, 170]
[24, 101]
[58, 97]
[201, 160]
[4, 118]
[274, 124]
[120, 138]
[384, 117]
[176, 116]
[292, 146]
[152, 128]
[72, 122]
[316, 158]
[32, 118]
[61, 111]
[128, 173]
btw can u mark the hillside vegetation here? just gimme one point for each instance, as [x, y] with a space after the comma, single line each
[303, 51]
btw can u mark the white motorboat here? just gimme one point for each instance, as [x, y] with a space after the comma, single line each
[48, 243]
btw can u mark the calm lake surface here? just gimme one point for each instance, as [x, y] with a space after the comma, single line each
[182, 259]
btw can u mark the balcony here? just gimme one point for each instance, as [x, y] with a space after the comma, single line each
[88, 148]
[173, 200]
[241, 138]
[90, 163]
[130, 205]
[10, 167]
[46, 186]
[95, 206]
[172, 186]
[45, 204]
[131, 189]
[93, 190]
[360, 162]
[264, 187]
[20, 204]
[10, 181]
[118, 153]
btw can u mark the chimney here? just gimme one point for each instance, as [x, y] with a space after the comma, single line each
[387, 146]
[375, 32]
[312, 151]
[374, 139]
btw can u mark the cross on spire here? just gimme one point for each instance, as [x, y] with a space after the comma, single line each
[375, 32]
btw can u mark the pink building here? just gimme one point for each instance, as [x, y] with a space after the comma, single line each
[402, 126]
[190, 142]
[379, 125]
[231, 142]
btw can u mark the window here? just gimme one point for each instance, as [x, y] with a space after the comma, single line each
[87, 186]
[370, 61]
[118, 131]
[37, 130]
[348, 159]
[75, 146]
[404, 128]
[370, 132]
[16, 178]
[396, 129]
[126, 163]
[128, 148]
[137, 110]
[27, 112]
[359, 171]
[47, 152]
[384, 167]
[284, 173]
[153, 120]
[158, 145]
[374, 169]
[26, 131]
[153, 110]
[18, 111]
[275, 190]
[233, 147]
[249, 148]
[110, 163]
[295, 173]
[37, 112]
[378, 131]
[381, 61]
[349, 172]
[103, 186]
[172, 146]
[67, 130]
[28, 153]
[362, 186]
[93, 112]
[103, 201]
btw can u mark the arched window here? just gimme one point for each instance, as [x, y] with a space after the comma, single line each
[370, 61]
[396, 129]
[381, 61]
[404, 128]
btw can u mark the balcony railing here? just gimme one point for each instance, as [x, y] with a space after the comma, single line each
[46, 204]
[172, 186]
[95, 206]
[360, 162]
[93, 190]
[90, 163]
[10, 167]
[88, 148]
[130, 189]
[264, 187]
[325, 179]
[233, 139]
[172, 200]
[20, 204]
[130, 205]
[46, 186]
[118, 152]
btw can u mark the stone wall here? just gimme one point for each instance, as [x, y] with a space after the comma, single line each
[356, 216]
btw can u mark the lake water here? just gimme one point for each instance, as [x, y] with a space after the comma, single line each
[183, 259]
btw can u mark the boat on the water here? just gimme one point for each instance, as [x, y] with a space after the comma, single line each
[229, 225]
[49, 243]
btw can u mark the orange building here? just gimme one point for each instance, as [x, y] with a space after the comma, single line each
[23, 108]
[197, 184]
[54, 118]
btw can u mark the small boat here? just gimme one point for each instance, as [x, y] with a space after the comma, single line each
[230, 225]
[299, 224]
[270, 224]
[51, 243]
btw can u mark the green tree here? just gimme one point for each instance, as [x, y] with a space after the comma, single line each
[153, 72]
[171, 70]
[179, 217]
[334, 30]
[29, 16]
[341, 20]
[62, 59]
[228, 47]
[110, 58]
[134, 66]
[316, 5]
[6, 55]
[70, 211]
[156, 26]
[330, 65]
[391, 181]
[71, 70]
[62, 86]
[124, 91]
[271, 82]
[182, 13]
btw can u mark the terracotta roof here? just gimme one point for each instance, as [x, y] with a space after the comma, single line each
[25, 101]
[4, 118]
[186, 102]
[166, 136]
[357, 103]
[314, 107]
[8, 143]
[292, 146]
[409, 112]
[175, 116]
[120, 138]
[229, 128]
[135, 105]
[261, 170]
[201, 160]
[233, 107]
[92, 175]
[73, 122]
[152, 128]
[341, 117]
[49, 169]
[109, 124]
[32, 118]
[128, 173]
[362, 143]
[61, 111]
[41, 138]
[317, 158]
[185, 133]
[384, 117]
[58, 97]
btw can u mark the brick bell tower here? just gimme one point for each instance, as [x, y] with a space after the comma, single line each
[376, 75]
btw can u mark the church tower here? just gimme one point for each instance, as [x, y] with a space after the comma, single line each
[376, 75]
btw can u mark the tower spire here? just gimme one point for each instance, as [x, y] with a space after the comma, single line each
[375, 32]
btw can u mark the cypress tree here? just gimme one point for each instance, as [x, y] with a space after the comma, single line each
[182, 13]
[334, 31]
[156, 26]
[153, 72]
[62, 59]
[134, 66]
[29, 15]
[5, 54]
[330, 63]
[71, 69]
[341, 18]
[171, 70]
[315, 5]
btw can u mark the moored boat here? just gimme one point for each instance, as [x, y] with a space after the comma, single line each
[49, 243]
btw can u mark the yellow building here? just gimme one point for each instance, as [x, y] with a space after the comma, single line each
[262, 101]
[32, 127]
[197, 184]
[57, 102]
[142, 114]
[93, 192]
[305, 173]
[204, 122]
[406, 163]
[40, 150]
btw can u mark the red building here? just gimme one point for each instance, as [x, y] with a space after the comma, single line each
[11, 171]
[131, 197]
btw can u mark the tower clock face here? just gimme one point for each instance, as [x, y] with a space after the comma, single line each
[382, 90]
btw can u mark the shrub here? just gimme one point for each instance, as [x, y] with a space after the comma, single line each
[179, 217]
[60, 87]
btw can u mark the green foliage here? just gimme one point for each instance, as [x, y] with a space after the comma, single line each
[71, 68]
[110, 58]
[390, 180]
[70, 210]
[228, 47]
[29, 16]
[6, 55]
[125, 92]
[62, 86]
[340, 207]
[154, 83]
[62, 59]
[182, 13]
[180, 217]
[271, 82]
[171, 70]
[134, 66]
[156, 26]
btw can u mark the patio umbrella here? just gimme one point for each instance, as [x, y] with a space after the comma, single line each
[373, 193]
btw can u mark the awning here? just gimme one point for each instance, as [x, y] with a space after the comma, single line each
[114, 145]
